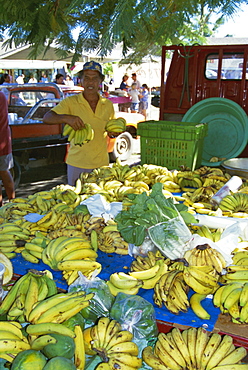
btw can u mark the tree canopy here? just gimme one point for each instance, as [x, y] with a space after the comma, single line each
[99, 25]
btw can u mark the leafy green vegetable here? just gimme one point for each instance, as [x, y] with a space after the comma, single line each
[147, 211]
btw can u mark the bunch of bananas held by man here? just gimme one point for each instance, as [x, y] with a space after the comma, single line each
[204, 255]
[116, 125]
[194, 349]
[81, 136]
[33, 287]
[114, 345]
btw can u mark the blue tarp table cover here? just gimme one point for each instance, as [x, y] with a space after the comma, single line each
[111, 263]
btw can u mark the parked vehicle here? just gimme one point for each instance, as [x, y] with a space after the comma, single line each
[197, 73]
[34, 141]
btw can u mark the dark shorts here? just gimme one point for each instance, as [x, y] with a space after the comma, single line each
[6, 162]
[73, 173]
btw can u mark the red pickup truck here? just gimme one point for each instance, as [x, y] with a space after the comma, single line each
[194, 81]
[34, 141]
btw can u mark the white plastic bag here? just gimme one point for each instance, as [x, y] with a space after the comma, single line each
[99, 207]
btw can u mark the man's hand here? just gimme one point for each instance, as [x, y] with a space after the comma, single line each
[75, 122]
[112, 135]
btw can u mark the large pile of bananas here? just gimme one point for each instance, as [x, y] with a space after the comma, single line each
[81, 136]
[194, 349]
[113, 345]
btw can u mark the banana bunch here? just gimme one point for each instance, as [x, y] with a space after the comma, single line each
[240, 257]
[111, 241]
[213, 234]
[81, 136]
[71, 254]
[194, 349]
[202, 279]
[189, 179]
[33, 249]
[12, 340]
[171, 291]
[151, 275]
[113, 345]
[119, 282]
[204, 255]
[29, 289]
[59, 307]
[12, 238]
[117, 125]
[94, 223]
[232, 299]
[17, 209]
[141, 263]
[236, 203]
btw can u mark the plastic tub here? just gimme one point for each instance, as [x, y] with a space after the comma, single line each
[236, 166]
[227, 128]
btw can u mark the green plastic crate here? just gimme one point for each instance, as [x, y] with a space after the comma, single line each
[172, 144]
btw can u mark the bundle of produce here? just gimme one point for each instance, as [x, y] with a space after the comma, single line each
[117, 125]
[146, 211]
[81, 136]
[114, 346]
[194, 348]
[232, 299]
[28, 290]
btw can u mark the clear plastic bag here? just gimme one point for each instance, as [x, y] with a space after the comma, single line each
[143, 249]
[102, 301]
[137, 315]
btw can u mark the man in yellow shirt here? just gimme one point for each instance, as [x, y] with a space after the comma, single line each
[85, 107]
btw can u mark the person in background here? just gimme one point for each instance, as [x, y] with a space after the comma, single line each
[6, 158]
[20, 79]
[59, 79]
[44, 78]
[32, 79]
[135, 96]
[85, 107]
[144, 97]
[134, 78]
[5, 79]
[124, 85]
[69, 81]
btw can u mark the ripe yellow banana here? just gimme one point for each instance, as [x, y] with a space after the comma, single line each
[49, 328]
[195, 304]
[79, 356]
[42, 341]
[124, 281]
[114, 290]
[220, 352]
[31, 297]
[201, 342]
[119, 337]
[81, 265]
[212, 345]
[152, 360]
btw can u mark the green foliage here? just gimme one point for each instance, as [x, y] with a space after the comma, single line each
[141, 27]
[147, 211]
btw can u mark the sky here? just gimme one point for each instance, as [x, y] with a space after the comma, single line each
[235, 26]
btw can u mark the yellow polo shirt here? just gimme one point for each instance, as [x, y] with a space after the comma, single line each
[93, 154]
